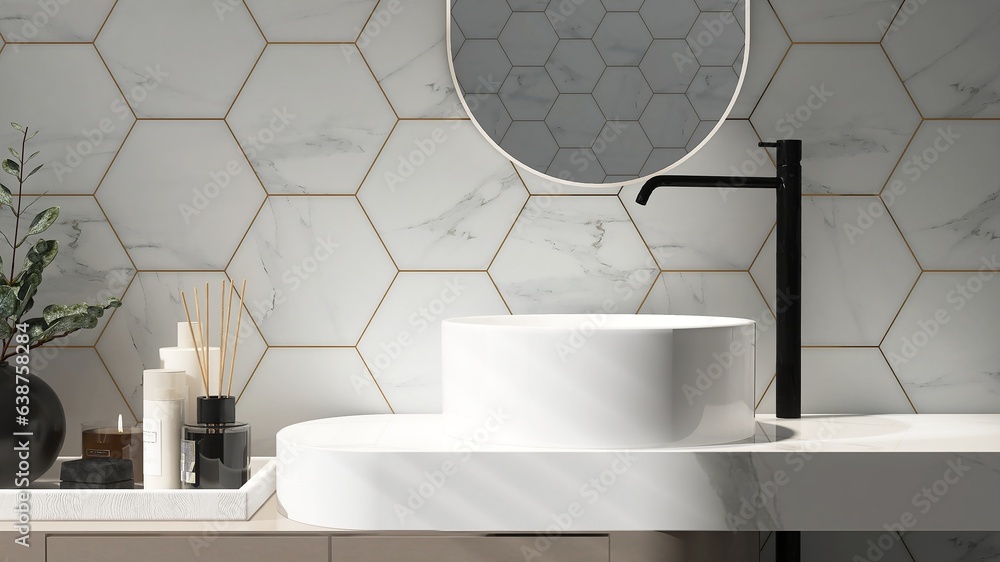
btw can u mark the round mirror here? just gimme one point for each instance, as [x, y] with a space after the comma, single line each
[598, 91]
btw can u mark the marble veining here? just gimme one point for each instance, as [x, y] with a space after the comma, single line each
[193, 57]
[296, 127]
[28, 20]
[312, 20]
[316, 270]
[415, 79]
[402, 345]
[426, 218]
[844, 20]
[573, 254]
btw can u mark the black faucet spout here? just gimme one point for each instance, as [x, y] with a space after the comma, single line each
[787, 184]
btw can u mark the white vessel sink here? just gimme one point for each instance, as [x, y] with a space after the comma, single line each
[598, 381]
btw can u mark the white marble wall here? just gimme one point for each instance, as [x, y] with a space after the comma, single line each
[329, 161]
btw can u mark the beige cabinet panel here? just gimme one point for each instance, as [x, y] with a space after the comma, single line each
[470, 549]
[187, 548]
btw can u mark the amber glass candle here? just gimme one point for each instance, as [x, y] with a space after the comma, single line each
[114, 439]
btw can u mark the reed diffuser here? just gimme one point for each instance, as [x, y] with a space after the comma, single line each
[215, 451]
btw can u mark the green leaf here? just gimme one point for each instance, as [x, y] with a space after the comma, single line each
[16, 126]
[40, 255]
[6, 330]
[32, 135]
[43, 220]
[8, 301]
[40, 331]
[5, 196]
[33, 154]
[38, 167]
[11, 167]
[14, 152]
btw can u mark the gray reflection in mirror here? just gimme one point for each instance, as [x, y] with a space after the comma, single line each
[598, 91]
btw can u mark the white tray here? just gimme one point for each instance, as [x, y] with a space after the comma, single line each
[48, 503]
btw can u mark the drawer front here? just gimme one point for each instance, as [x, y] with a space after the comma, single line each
[229, 548]
[470, 549]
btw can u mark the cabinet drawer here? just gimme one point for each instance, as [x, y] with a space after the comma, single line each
[229, 548]
[470, 549]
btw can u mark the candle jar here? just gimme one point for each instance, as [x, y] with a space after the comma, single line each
[104, 439]
[215, 452]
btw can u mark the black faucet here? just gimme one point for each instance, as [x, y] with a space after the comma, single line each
[788, 185]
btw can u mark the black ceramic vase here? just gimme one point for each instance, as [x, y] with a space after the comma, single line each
[46, 422]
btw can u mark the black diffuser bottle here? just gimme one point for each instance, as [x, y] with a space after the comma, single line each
[215, 452]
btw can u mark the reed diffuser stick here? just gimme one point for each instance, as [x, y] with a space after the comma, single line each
[199, 342]
[236, 343]
[204, 342]
[222, 333]
[187, 313]
[225, 342]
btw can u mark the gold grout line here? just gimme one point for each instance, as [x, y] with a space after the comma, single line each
[913, 254]
[901, 81]
[961, 118]
[836, 42]
[247, 158]
[114, 382]
[510, 230]
[500, 293]
[377, 235]
[839, 346]
[760, 250]
[377, 83]
[902, 156]
[245, 234]
[361, 30]
[260, 55]
[763, 394]
[135, 274]
[246, 306]
[125, 99]
[901, 307]
[311, 43]
[705, 271]
[649, 249]
[760, 138]
[289, 346]
[781, 23]
[649, 292]
[252, 373]
[255, 22]
[767, 303]
[902, 541]
[377, 385]
[435, 119]
[891, 21]
[105, 22]
[771, 79]
[378, 306]
[378, 154]
[900, 383]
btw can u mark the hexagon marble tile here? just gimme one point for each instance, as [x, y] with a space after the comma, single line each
[28, 20]
[729, 293]
[538, 185]
[84, 386]
[187, 58]
[697, 228]
[147, 321]
[166, 213]
[949, 315]
[316, 270]
[311, 21]
[573, 254]
[855, 275]
[402, 345]
[416, 79]
[849, 108]
[948, 77]
[296, 127]
[845, 20]
[846, 381]
[428, 220]
[953, 546]
[770, 43]
[945, 195]
[310, 384]
[66, 93]
[91, 266]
